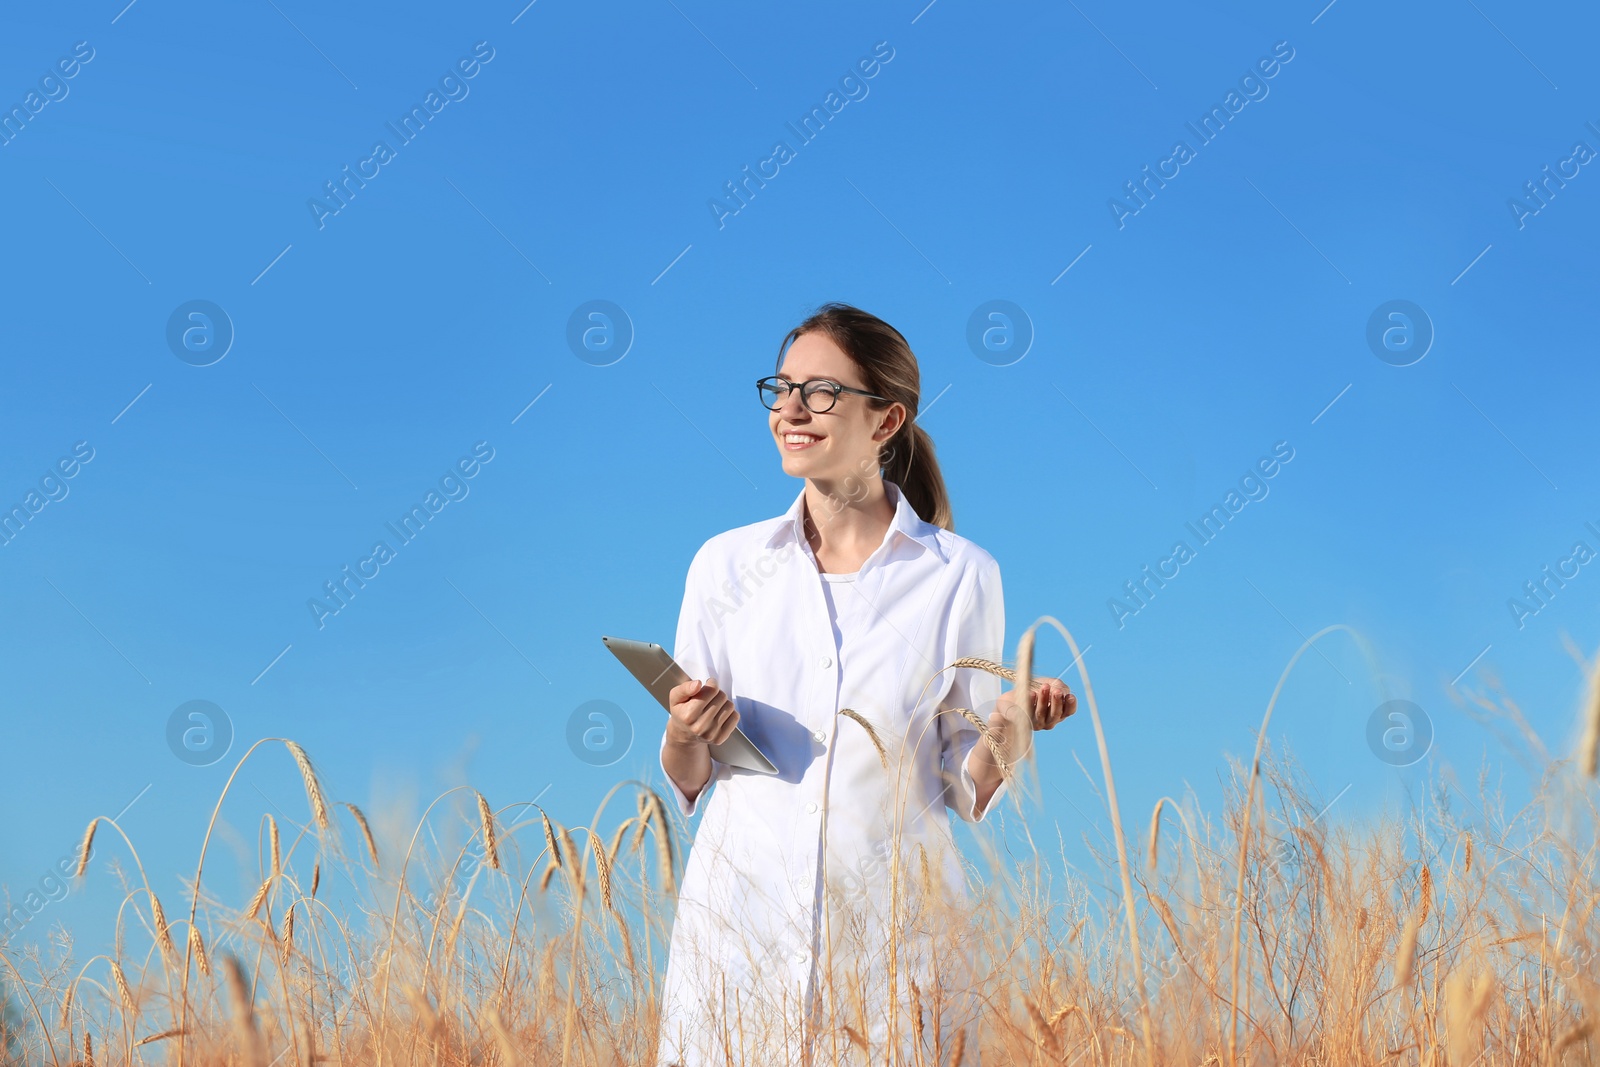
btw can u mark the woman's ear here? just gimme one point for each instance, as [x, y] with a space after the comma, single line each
[891, 423]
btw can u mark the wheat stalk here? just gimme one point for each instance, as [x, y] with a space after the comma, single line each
[989, 739]
[259, 899]
[502, 1036]
[123, 991]
[455, 926]
[423, 1004]
[603, 866]
[1406, 955]
[319, 803]
[366, 831]
[550, 839]
[642, 823]
[1042, 1032]
[244, 1019]
[491, 850]
[163, 933]
[1589, 745]
[1164, 910]
[162, 1036]
[1155, 830]
[617, 836]
[883, 756]
[83, 849]
[662, 827]
[199, 948]
[995, 668]
[1465, 1003]
[273, 846]
[575, 872]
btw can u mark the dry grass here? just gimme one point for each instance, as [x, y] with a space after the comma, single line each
[1459, 937]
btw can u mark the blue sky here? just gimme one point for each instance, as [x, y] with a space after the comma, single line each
[1175, 341]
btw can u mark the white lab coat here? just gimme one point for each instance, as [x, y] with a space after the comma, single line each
[753, 931]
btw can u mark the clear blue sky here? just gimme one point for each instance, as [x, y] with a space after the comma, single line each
[1175, 341]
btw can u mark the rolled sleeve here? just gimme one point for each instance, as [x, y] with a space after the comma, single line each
[692, 651]
[979, 630]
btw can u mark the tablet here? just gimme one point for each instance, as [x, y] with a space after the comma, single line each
[658, 672]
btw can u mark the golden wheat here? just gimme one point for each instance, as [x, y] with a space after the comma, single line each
[260, 898]
[319, 804]
[198, 946]
[83, 849]
[123, 992]
[883, 756]
[246, 1034]
[162, 1036]
[163, 933]
[1589, 744]
[273, 848]
[366, 831]
[1357, 948]
[550, 839]
[491, 849]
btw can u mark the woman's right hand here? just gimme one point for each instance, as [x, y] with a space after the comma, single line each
[700, 713]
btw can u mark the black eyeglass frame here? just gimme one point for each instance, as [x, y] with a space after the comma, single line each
[833, 387]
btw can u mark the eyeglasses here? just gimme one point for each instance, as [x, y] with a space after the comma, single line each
[817, 394]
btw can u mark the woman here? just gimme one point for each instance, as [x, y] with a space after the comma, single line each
[823, 634]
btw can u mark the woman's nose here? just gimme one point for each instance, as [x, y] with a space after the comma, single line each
[793, 403]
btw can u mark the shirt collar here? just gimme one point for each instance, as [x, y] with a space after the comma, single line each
[906, 525]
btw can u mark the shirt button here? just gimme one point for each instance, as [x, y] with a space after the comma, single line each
[826, 661]
[811, 809]
[799, 957]
[820, 736]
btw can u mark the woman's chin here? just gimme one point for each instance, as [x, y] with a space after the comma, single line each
[798, 464]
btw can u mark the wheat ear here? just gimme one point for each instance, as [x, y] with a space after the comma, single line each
[366, 831]
[319, 803]
[83, 849]
[883, 757]
[491, 848]
[199, 947]
[163, 933]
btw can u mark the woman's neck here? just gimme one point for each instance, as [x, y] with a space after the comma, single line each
[842, 532]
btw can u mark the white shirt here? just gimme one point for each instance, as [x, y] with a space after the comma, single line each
[753, 924]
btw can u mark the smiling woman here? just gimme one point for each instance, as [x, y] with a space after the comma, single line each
[815, 910]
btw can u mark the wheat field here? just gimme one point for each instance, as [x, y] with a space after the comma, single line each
[1201, 939]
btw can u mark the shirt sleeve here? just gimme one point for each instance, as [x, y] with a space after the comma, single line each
[979, 630]
[692, 651]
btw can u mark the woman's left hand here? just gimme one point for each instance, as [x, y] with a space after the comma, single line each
[1052, 702]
